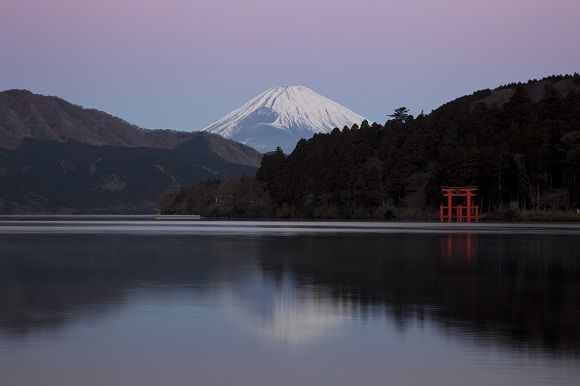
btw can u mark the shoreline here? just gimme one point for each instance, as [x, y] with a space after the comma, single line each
[521, 217]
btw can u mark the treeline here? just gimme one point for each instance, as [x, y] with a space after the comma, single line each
[519, 143]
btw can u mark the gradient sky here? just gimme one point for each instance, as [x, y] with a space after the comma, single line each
[185, 63]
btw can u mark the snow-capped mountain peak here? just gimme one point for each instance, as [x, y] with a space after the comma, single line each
[281, 116]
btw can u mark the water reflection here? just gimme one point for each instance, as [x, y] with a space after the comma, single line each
[285, 314]
[520, 292]
[459, 246]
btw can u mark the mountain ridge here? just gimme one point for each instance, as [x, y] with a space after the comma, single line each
[26, 114]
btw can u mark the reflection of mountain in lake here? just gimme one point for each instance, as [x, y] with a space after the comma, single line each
[283, 313]
[515, 290]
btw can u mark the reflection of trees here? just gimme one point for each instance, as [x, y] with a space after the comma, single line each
[521, 290]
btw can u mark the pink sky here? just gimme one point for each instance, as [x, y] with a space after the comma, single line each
[183, 64]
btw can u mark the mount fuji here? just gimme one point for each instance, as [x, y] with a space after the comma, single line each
[281, 116]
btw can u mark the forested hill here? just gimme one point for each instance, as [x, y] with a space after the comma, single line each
[520, 143]
[46, 177]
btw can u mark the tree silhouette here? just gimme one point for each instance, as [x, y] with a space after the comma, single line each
[401, 115]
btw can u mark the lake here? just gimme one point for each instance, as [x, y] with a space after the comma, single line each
[129, 301]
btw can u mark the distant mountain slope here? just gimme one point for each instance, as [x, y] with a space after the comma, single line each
[281, 116]
[230, 150]
[24, 114]
[51, 176]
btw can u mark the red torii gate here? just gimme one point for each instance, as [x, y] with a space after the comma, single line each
[459, 212]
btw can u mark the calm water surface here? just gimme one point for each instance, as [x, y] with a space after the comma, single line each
[127, 301]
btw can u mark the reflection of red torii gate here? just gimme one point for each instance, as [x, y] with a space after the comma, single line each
[459, 213]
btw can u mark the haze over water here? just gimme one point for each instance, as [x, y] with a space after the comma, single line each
[132, 302]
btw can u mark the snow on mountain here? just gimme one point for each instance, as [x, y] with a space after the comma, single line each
[281, 116]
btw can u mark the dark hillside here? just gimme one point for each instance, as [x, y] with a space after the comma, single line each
[70, 177]
[519, 143]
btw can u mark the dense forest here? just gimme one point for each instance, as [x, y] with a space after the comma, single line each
[519, 143]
